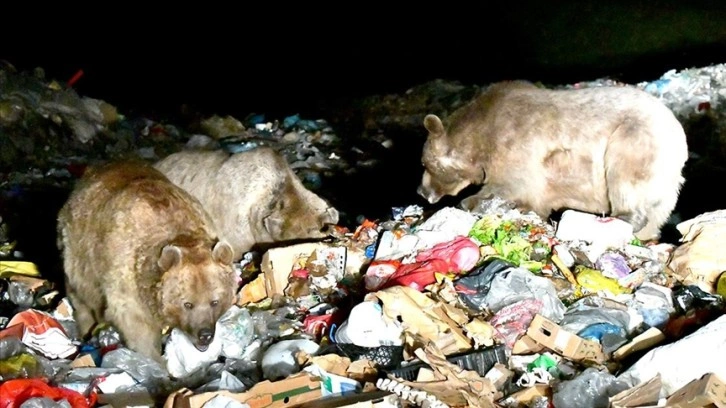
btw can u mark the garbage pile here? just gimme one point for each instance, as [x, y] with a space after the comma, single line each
[49, 133]
[487, 308]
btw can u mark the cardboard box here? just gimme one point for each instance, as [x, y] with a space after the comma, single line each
[707, 391]
[553, 337]
[525, 345]
[289, 392]
[524, 397]
[644, 395]
[278, 263]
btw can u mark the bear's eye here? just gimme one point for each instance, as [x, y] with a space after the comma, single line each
[188, 305]
[214, 303]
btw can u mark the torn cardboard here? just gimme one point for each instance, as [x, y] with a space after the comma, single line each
[643, 341]
[253, 292]
[706, 391]
[278, 263]
[644, 395]
[555, 338]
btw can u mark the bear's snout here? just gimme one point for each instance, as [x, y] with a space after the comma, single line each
[427, 194]
[204, 338]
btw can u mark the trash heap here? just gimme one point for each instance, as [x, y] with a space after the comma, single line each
[49, 133]
[487, 308]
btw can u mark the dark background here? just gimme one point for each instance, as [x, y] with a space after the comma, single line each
[275, 58]
[280, 59]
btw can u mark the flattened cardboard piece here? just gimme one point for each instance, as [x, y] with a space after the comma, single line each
[642, 395]
[85, 360]
[277, 263]
[553, 337]
[422, 316]
[289, 392]
[643, 341]
[525, 345]
[253, 292]
[707, 391]
[525, 396]
[373, 399]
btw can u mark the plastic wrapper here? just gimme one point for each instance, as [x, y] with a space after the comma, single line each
[45, 403]
[591, 310]
[686, 298]
[366, 327]
[512, 321]
[517, 284]
[443, 226]
[146, 371]
[416, 275]
[591, 389]
[654, 303]
[279, 359]
[21, 295]
[462, 254]
[233, 333]
[613, 265]
[224, 381]
[22, 365]
[474, 286]
[236, 331]
[594, 281]
[182, 358]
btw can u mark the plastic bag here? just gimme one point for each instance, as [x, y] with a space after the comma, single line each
[461, 254]
[146, 371]
[45, 402]
[279, 359]
[592, 310]
[366, 327]
[14, 392]
[512, 321]
[474, 286]
[516, 284]
[590, 389]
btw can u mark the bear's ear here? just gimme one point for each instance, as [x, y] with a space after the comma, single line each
[222, 253]
[433, 124]
[170, 256]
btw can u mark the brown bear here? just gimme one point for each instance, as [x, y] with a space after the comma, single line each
[612, 150]
[254, 197]
[141, 254]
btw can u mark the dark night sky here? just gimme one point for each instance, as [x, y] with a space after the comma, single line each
[281, 59]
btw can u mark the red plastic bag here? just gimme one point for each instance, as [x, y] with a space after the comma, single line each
[461, 254]
[14, 392]
[417, 275]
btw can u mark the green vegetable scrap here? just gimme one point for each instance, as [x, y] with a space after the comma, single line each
[513, 241]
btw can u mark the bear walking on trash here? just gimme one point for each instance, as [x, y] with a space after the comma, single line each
[605, 150]
[142, 254]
